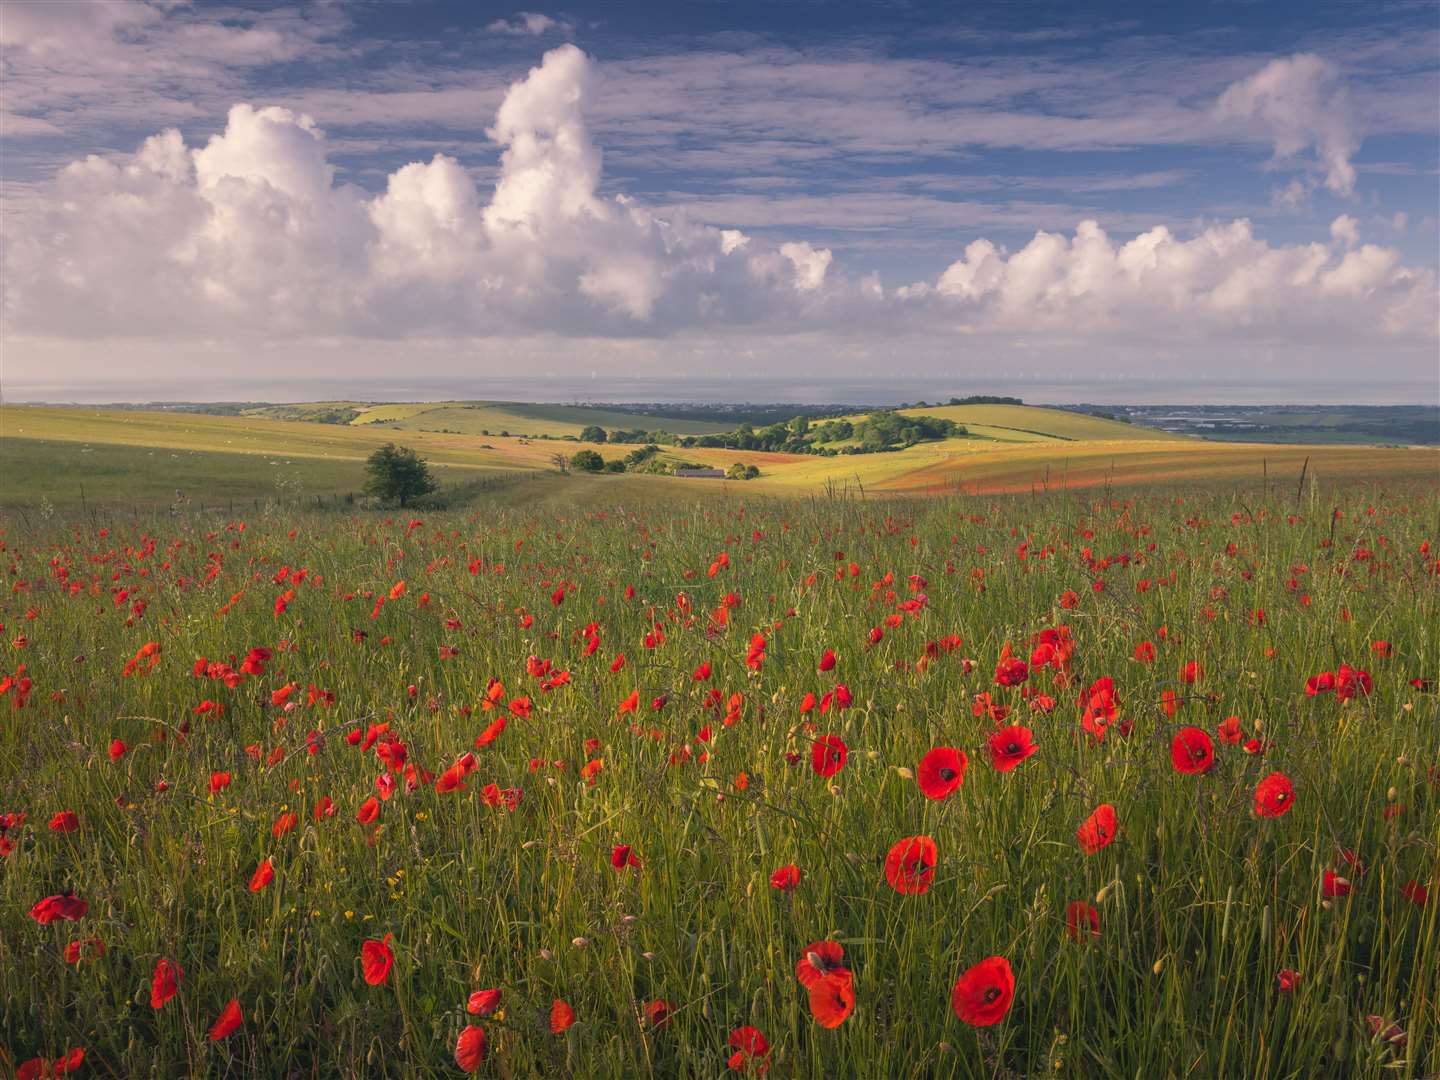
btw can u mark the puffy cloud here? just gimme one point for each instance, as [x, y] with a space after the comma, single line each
[1223, 282]
[250, 237]
[529, 22]
[1299, 103]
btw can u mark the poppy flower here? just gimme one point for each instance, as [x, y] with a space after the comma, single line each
[827, 756]
[218, 782]
[1191, 751]
[1288, 979]
[1415, 892]
[1010, 746]
[1274, 795]
[1333, 885]
[982, 995]
[940, 772]
[820, 960]
[1082, 920]
[561, 1016]
[88, 949]
[117, 749]
[1383, 1029]
[470, 1048]
[230, 1019]
[483, 1002]
[827, 662]
[622, 856]
[376, 959]
[264, 874]
[787, 877]
[1190, 672]
[69, 908]
[910, 865]
[657, 1013]
[1098, 830]
[1229, 731]
[832, 999]
[163, 982]
[751, 1050]
[369, 811]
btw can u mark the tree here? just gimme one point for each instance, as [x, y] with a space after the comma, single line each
[561, 462]
[398, 473]
[593, 433]
[587, 461]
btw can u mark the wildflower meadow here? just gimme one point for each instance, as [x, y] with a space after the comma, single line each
[1085, 784]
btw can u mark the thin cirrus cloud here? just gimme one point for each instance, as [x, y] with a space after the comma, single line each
[253, 235]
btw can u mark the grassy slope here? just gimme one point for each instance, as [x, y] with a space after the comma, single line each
[1019, 421]
[143, 456]
[522, 419]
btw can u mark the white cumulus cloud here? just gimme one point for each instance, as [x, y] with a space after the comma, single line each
[1298, 102]
[250, 238]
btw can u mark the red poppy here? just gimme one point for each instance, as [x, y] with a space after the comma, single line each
[910, 865]
[940, 772]
[64, 821]
[491, 733]
[1229, 731]
[117, 749]
[264, 874]
[982, 995]
[369, 811]
[827, 662]
[1191, 751]
[832, 999]
[1415, 892]
[1098, 830]
[622, 856]
[787, 877]
[1288, 979]
[820, 959]
[376, 959]
[70, 908]
[827, 756]
[230, 1019]
[1010, 746]
[561, 1016]
[164, 982]
[1333, 885]
[1082, 919]
[470, 1048]
[1274, 795]
[1190, 672]
[88, 949]
[483, 1002]
[750, 1048]
[657, 1013]
[218, 782]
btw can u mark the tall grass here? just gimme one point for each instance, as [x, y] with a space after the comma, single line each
[1201, 903]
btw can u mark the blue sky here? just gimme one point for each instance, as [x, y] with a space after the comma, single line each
[860, 148]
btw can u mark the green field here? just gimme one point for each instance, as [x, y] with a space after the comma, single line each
[137, 458]
[440, 757]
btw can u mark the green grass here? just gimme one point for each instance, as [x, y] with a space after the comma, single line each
[519, 418]
[1200, 903]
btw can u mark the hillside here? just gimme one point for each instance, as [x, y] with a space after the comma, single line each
[67, 456]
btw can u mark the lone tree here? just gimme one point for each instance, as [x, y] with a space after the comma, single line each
[592, 433]
[587, 461]
[398, 473]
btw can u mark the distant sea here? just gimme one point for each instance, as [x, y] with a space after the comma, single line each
[817, 390]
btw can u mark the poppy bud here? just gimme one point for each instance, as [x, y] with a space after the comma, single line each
[546, 954]
[1159, 966]
[579, 942]
[1390, 795]
[648, 955]
[904, 773]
